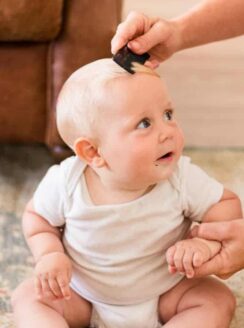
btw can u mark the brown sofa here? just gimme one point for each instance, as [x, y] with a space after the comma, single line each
[41, 44]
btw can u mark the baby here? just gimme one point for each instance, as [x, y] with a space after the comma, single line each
[106, 225]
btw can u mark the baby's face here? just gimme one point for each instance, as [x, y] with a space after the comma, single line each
[140, 139]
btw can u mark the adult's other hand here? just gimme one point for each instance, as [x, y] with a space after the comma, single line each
[231, 256]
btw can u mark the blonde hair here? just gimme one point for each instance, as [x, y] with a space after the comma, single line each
[79, 103]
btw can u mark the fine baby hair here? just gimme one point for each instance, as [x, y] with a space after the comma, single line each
[80, 99]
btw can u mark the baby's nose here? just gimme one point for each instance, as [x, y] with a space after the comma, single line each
[165, 134]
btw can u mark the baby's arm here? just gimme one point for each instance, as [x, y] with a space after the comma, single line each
[228, 208]
[190, 253]
[53, 267]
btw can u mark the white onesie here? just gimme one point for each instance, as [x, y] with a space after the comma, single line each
[118, 251]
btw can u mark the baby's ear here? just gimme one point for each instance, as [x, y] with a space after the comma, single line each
[87, 151]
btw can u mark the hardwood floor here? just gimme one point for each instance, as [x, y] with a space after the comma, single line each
[206, 83]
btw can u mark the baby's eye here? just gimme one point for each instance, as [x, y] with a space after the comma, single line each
[144, 124]
[168, 115]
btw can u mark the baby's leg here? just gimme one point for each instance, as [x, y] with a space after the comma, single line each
[198, 303]
[31, 312]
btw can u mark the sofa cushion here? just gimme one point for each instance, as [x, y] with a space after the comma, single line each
[25, 20]
[23, 92]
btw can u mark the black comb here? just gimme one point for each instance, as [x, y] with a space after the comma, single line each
[125, 57]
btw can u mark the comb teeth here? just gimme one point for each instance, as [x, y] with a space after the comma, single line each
[125, 58]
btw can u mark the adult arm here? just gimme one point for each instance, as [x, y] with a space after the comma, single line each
[211, 20]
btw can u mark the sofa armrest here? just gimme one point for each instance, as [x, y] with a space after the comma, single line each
[86, 34]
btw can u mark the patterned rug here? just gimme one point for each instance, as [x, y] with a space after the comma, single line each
[20, 170]
[16, 264]
[21, 167]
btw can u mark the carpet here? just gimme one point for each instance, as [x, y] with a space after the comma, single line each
[16, 263]
[21, 168]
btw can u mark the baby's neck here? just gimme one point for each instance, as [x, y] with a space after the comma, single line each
[102, 193]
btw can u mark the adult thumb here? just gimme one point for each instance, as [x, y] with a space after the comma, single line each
[213, 266]
[212, 230]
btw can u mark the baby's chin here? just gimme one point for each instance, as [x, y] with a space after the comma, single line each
[168, 172]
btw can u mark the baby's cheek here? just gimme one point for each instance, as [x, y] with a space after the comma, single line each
[180, 140]
[182, 137]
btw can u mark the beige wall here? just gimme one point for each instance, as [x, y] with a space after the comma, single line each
[206, 83]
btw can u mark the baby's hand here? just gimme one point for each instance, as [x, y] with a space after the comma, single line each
[188, 254]
[52, 276]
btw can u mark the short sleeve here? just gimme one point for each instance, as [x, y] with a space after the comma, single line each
[49, 197]
[199, 190]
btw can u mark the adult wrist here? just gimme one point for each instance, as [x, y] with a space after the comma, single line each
[180, 39]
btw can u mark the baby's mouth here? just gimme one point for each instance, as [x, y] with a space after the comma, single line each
[166, 156]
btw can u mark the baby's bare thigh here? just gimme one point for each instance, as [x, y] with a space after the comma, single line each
[76, 311]
[190, 293]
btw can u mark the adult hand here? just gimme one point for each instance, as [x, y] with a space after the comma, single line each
[230, 259]
[160, 38]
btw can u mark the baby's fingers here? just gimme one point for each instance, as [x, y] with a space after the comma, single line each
[63, 283]
[55, 288]
[188, 263]
[42, 288]
[172, 269]
[38, 287]
[170, 255]
[178, 259]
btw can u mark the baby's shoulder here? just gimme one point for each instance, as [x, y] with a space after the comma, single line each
[71, 170]
[180, 172]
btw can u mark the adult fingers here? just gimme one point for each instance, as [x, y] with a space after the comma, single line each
[213, 231]
[153, 63]
[214, 266]
[134, 25]
[157, 34]
[197, 260]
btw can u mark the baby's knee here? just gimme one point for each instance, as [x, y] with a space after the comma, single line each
[24, 292]
[224, 300]
[218, 301]
[209, 295]
[220, 307]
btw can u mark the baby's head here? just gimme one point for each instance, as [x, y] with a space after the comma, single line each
[117, 121]
[81, 100]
